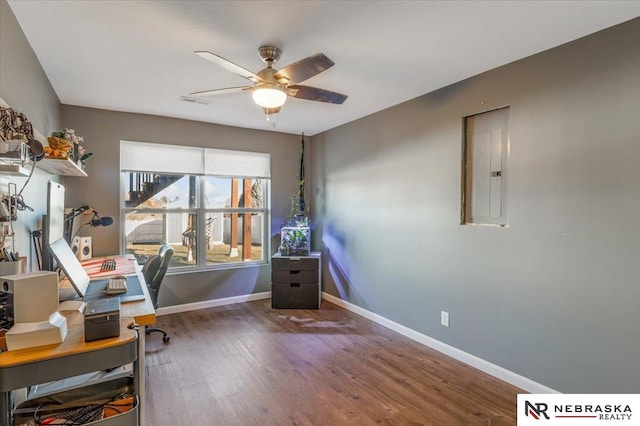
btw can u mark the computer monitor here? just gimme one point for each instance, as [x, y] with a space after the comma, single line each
[52, 222]
[71, 266]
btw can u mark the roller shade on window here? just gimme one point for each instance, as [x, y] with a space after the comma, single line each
[223, 162]
[152, 157]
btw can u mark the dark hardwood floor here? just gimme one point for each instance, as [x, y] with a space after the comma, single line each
[247, 364]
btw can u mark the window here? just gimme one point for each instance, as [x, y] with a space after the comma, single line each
[210, 205]
[484, 168]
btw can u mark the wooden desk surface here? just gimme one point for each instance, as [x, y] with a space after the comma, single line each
[73, 344]
[142, 312]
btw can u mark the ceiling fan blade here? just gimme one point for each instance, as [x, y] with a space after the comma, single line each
[220, 91]
[228, 65]
[315, 94]
[304, 69]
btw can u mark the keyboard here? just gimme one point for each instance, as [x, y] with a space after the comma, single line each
[108, 265]
[117, 285]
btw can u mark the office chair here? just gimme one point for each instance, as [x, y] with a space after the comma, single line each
[153, 270]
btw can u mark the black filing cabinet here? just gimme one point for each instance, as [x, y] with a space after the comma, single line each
[295, 281]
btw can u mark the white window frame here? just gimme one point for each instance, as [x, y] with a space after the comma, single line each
[254, 161]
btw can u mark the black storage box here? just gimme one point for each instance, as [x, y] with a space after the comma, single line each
[295, 282]
[102, 319]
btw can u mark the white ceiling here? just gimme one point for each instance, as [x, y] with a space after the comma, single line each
[137, 56]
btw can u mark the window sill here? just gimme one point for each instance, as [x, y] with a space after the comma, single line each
[213, 268]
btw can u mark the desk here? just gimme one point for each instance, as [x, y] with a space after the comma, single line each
[27, 367]
[144, 314]
[74, 356]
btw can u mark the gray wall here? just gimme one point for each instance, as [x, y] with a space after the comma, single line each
[26, 88]
[554, 296]
[103, 130]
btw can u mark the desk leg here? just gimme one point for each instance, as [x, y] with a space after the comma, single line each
[5, 408]
[139, 376]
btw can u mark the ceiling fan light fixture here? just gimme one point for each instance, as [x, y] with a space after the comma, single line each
[269, 95]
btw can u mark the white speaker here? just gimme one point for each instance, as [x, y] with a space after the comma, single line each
[85, 250]
[75, 245]
[35, 295]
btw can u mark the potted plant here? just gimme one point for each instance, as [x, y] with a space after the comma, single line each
[295, 238]
[295, 234]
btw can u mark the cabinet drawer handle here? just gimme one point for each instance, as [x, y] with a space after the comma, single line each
[295, 284]
[294, 272]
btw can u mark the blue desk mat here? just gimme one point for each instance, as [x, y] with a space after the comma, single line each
[97, 290]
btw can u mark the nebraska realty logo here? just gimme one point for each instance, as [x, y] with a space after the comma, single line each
[578, 409]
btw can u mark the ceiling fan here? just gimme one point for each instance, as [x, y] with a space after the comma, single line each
[271, 87]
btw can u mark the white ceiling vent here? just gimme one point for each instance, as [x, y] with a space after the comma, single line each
[189, 100]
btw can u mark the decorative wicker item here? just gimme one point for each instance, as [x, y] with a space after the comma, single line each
[58, 147]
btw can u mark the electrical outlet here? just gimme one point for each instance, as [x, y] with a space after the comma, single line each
[444, 318]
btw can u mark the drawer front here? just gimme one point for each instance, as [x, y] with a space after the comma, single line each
[294, 263]
[294, 276]
[295, 296]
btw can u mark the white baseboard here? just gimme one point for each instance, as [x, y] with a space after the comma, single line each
[212, 303]
[472, 360]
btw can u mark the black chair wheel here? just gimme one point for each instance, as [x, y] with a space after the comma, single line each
[166, 339]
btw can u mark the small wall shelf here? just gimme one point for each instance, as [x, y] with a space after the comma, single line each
[14, 169]
[56, 166]
[60, 166]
